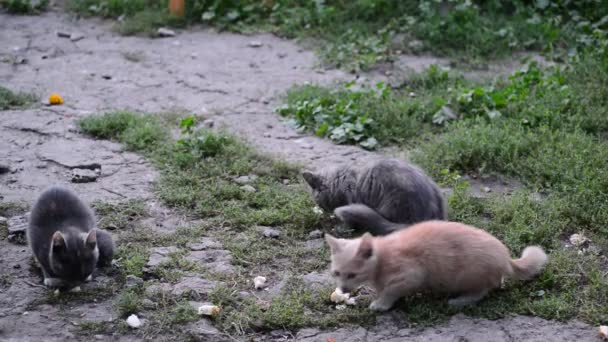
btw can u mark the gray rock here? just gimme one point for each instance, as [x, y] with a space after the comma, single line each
[343, 334]
[193, 287]
[245, 179]
[148, 304]
[248, 188]
[255, 44]
[317, 281]
[153, 291]
[269, 232]
[63, 34]
[159, 255]
[76, 37]
[206, 243]
[133, 281]
[17, 225]
[203, 330]
[315, 234]
[281, 55]
[165, 32]
[85, 175]
[3, 221]
[4, 168]
[218, 260]
[208, 123]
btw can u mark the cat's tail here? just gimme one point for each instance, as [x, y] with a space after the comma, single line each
[360, 216]
[531, 263]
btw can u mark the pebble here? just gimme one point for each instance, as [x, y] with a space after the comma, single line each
[63, 34]
[209, 123]
[84, 175]
[271, 233]
[165, 32]
[4, 168]
[245, 179]
[315, 234]
[248, 188]
[487, 189]
[76, 37]
[255, 44]
[133, 281]
[133, 321]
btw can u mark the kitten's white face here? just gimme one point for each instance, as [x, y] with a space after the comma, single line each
[353, 262]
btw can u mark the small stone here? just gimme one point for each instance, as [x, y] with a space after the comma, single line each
[165, 32]
[281, 55]
[99, 337]
[206, 243]
[286, 181]
[270, 233]
[84, 175]
[133, 281]
[248, 188]
[255, 44]
[17, 225]
[487, 189]
[412, 94]
[4, 168]
[76, 37]
[209, 123]
[17, 266]
[315, 234]
[266, 135]
[159, 255]
[106, 77]
[41, 165]
[245, 179]
[63, 34]
[148, 304]
[133, 321]
[259, 282]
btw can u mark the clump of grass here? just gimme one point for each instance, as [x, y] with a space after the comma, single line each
[119, 216]
[138, 132]
[24, 6]
[129, 302]
[134, 257]
[10, 99]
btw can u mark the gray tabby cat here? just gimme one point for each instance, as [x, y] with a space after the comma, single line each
[380, 197]
[64, 240]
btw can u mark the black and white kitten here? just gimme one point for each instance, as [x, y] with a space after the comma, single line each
[64, 240]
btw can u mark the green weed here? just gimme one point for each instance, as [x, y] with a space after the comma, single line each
[10, 99]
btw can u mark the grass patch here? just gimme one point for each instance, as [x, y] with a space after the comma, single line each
[137, 131]
[24, 6]
[119, 216]
[356, 35]
[12, 100]
[129, 302]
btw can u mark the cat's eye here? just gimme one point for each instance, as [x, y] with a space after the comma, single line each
[336, 273]
[350, 276]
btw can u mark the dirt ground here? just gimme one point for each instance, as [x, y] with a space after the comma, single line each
[220, 76]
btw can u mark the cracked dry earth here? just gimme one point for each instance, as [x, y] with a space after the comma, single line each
[216, 75]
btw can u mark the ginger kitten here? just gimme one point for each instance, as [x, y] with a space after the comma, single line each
[439, 256]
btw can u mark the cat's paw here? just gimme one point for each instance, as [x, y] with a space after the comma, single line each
[379, 305]
[52, 282]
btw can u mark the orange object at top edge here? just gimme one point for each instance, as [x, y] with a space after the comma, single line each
[177, 7]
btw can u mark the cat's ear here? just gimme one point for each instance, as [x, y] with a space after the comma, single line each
[335, 245]
[314, 180]
[91, 240]
[366, 247]
[58, 241]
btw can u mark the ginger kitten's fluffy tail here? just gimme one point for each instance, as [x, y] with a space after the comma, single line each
[532, 261]
[363, 217]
